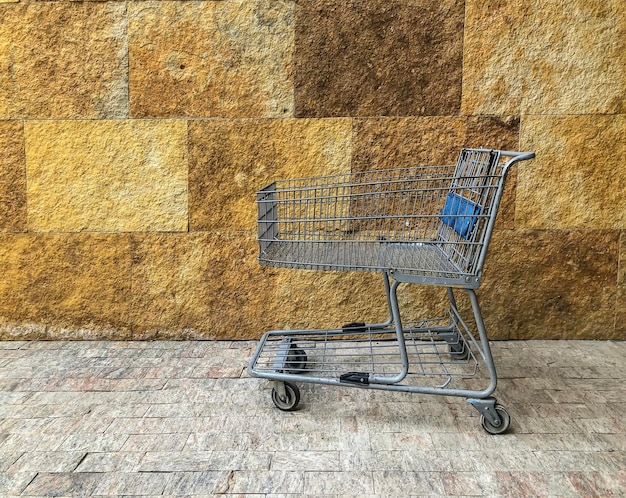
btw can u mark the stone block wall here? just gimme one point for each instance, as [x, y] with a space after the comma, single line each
[133, 135]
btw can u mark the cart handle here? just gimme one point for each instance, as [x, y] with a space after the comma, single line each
[515, 157]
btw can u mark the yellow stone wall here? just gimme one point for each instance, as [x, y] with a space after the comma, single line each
[133, 135]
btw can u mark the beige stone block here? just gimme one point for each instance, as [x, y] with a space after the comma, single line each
[211, 59]
[63, 60]
[412, 141]
[12, 177]
[544, 57]
[231, 160]
[65, 286]
[577, 179]
[551, 284]
[107, 175]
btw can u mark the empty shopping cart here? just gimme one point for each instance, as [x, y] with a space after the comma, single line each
[427, 225]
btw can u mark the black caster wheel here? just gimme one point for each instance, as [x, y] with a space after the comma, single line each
[505, 422]
[459, 351]
[290, 401]
[296, 361]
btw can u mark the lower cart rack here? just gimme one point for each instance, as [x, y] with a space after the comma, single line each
[425, 225]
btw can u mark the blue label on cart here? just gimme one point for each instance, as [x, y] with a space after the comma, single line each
[460, 214]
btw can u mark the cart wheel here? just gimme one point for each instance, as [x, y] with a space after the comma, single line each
[459, 351]
[296, 361]
[505, 419]
[291, 400]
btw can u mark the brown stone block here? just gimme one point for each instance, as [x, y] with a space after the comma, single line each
[312, 299]
[12, 177]
[63, 60]
[65, 286]
[413, 141]
[577, 178]
[620, 309]
[551, 284]
[544, 57]
[210, 286]
[231, 160]
[211, 59]
[107, 175]
[378, 58]
[199, 285]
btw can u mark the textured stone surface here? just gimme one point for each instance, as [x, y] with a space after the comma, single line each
[201, 59]
[210, 286]
[75, 285]
[231, 160]
[577, 178]
[551, 284]
[12, 177]
[107, 175]
[378, 57]
[548, 57]
[63, 60]
[202, 285]
[620, 308]
[413, 141]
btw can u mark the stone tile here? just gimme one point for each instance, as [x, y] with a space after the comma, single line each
[531, 484]
[14, 484]
[378, 58]
[231, 160]
[565, 278]
[75, 284]
[154, 442]
[93, 442]
[47, 64]
[272, 481]
[578, 158]
[381, 143]
[395, 483]
[115, 461]
[135, 483]
[211, 59]
[179, 461]
[306, 461]
[47, 461]
[589, 483]
[63, 484]
[507, 69]
[196, 483]
[468, 484]
[107, 175]
[12, 177]
[340, 483]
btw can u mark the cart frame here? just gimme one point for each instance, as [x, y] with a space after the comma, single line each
[424, 225]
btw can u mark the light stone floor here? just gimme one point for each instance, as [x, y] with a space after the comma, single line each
[183, 418]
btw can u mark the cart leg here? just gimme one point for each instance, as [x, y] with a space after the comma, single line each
[457, 346]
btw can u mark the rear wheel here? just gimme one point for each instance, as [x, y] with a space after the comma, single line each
[288, 402]
[505, 422]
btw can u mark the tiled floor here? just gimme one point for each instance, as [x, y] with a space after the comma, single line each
[183, 418]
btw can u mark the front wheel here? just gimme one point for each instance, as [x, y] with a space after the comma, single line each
[505, 421]
[289, 402]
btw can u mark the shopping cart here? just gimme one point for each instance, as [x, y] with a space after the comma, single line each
[428, 225]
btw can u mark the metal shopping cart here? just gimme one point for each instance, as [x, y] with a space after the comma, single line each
[428, 225]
